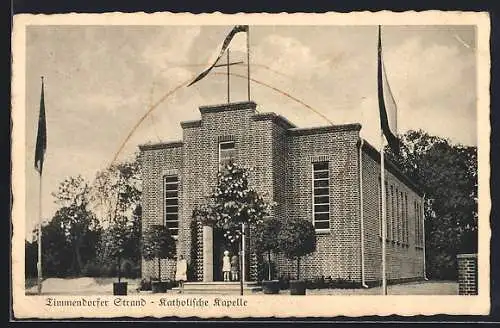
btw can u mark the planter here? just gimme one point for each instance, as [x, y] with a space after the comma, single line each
[271, 286]
[119, 288]
[297, 287]
[159, 286]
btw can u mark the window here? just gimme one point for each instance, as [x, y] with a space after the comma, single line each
[226, 152]
[379, 207]
[418, 224]
[398, 217]
[406, 218]
[393, 215]
[321, 196]
[171, 203]
[387, 212]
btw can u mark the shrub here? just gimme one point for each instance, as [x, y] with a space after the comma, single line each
[296, 239]
[145, 285]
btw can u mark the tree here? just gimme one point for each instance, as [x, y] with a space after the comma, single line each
[266, 239]
[116, 195]
[447, 173]
[77, 223]
[297, 238]
[159, 244]
[233, 203]
[115, 241]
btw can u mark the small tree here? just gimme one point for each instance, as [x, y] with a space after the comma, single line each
[233, 202]
[158, 243]
[266, 239]
[297, 238]
[114, 242]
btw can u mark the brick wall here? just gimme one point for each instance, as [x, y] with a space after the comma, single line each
[467, 274]
[157, 160]
[405, 259]
[338, 250]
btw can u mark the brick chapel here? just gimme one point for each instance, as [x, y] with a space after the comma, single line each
[328, 175]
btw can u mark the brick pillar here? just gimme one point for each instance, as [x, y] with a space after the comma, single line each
[208, 253]
[467, 274]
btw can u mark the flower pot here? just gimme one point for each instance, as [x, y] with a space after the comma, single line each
[119, 288]
[159, 286]
[297, 287]
[271, 286]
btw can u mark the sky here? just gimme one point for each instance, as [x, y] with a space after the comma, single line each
[100, 80]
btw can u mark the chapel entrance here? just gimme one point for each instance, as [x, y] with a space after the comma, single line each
[221, 244]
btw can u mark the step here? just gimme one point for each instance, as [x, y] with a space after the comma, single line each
[218, 287]
[246, 291]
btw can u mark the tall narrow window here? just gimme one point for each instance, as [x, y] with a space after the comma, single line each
[401, 218]
[387, 212]
[321, 195]
[171, 203]
[226, 152]
[393, 215]
[415, 216]
[398, 217]
[379, 207]
[406, 218]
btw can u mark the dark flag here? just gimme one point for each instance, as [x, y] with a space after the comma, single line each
[387, 105]
[225, 44]
[41, 138]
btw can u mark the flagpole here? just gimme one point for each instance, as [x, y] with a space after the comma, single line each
[228, 83]
[383, 214]
[39, 263]
[242, 278]
[248, 62]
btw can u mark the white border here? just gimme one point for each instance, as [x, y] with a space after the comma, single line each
[282, 305]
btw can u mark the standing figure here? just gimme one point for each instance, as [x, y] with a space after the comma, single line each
[226, 265]
[181, 272]
[234, 268]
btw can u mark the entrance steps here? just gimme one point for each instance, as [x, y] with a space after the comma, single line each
[218, 288]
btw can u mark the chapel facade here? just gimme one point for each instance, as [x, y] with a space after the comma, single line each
[327, 175]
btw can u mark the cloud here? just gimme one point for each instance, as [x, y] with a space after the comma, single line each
[170, 47]
[289, 56]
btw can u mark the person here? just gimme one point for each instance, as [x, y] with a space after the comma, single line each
[234, 268]
[181, 272]
[226, 266]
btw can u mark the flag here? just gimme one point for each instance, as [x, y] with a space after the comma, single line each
[225, 44]
[387, 105]
[41, 138]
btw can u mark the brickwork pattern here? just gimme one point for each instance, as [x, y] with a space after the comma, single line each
[155, 163]
[402, 261]
[281, 156]
[337, 252]
[467, 274]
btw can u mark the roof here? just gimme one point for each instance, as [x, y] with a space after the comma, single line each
[227, 107]
[324, 129]
[161, 145]
[275, 118]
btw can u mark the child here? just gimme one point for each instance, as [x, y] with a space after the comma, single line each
[234, 268]
[181, 272]
[226, 265]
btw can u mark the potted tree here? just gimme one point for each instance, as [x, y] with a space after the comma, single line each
[114, 243]
[159, 244]
[297, 238]
[266, 242]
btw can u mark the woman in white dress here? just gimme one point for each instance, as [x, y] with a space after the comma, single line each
[226, 265]
[181, 272]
